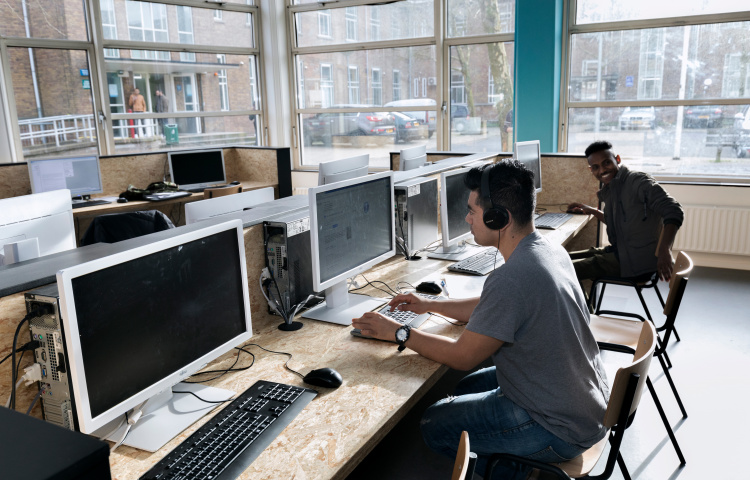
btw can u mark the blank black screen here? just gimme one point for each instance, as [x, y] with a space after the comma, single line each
[145, 319]
[457, 196]
[192, 168]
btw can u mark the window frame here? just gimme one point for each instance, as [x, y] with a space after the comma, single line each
[572, 29]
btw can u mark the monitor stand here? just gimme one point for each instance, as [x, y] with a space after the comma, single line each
[167, 414]
[341, 306]
[454, 253]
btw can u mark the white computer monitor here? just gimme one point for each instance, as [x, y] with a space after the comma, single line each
[411, 158]
[351, 229]
[46, 217]
[454, 199]
[343, 169]
[214, 207]
[138, 322]
[80, 174]
[197, 170]
[528, 154]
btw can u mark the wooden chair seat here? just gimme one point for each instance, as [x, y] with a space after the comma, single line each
[617, 331]
[585, 462]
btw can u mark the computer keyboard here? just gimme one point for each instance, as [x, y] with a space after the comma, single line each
[480, 263]
[232, 439]
[412, 319]
[551, 220]
[89, 203]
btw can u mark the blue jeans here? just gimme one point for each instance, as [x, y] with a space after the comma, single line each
[495, 425]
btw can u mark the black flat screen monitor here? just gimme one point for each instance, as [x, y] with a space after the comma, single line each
[197, 170]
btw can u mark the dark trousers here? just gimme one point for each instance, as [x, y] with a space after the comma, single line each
[594, 263]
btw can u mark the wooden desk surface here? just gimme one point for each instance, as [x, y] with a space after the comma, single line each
[115, 207]
[341, 426]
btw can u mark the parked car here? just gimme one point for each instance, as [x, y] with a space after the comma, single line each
[459, 116]
[408, 128]
[742, 132]
[425, 117]
[637, 117]
[702, 116]
[323, 126]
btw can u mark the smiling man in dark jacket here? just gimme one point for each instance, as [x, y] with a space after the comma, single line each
[641, 218]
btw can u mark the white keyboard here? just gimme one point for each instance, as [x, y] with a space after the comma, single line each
[412, 319]
[480, 263]
[551, 220]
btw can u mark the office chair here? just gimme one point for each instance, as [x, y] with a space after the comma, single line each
[623, 332]
[221, 191]
[466, 460]
[115, 227]
[623, 403]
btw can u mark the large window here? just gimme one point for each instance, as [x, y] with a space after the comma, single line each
[671, 95]
[160, 64]
[379, 91]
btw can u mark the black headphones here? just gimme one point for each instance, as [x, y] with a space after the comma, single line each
[494, 218]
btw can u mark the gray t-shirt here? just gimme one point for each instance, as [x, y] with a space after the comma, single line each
[549, 364]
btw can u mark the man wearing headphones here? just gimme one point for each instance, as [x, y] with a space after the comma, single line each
[546, 394]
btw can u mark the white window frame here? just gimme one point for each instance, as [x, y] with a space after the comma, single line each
[109, 29]
[218, 15]
[651, 64]
[184, 36]
[732, 78]
[149, 29]
[374, 23]
[327, 90]
[353, 83]
[376, 86]
[324, 23]
[223, 84]
[396, 93]
[352, 24]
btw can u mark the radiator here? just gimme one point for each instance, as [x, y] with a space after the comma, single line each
[714, 229]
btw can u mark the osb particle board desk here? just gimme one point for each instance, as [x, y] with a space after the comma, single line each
[340, 427]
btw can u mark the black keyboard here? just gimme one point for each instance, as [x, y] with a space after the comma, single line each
[480, 263]
[551, 220]
[160, 197]
[229, 442]
[89, 203]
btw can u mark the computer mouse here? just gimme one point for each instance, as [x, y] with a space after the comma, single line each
[236, 182]
[122, 200]
[324, 377]
[429, 287]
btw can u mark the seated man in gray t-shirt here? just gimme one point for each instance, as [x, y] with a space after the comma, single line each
[546, 395]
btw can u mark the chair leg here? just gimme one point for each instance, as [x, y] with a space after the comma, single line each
[623, 468]
[676, 335]
[666, 358]
[665, 421]
[674, 388]
[643, 303]
[658, 294]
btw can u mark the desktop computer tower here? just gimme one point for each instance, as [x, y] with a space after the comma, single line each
[57, 400]
[417, 212]
[288, 257]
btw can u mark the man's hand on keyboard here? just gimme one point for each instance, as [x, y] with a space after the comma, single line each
[375, 325]
[411, 303]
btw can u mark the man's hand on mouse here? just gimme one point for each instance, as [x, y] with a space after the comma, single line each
[377, 326]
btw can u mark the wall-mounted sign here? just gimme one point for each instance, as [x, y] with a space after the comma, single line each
[178, 88]
[86, 83]
[629, 81]
[84, 72]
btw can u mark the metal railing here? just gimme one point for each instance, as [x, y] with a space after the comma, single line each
[66, 129]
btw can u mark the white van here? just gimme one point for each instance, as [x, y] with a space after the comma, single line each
[427, 116]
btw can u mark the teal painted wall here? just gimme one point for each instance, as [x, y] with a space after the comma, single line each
[538, 51]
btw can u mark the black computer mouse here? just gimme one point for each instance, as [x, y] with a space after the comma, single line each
[429, 287]
[236, 182]
[122, 200]
[324, 377]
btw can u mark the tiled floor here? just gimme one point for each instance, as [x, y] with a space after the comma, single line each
[711, 372]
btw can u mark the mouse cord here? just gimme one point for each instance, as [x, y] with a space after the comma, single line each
[225, 371]
[391, 293]
[286, 364]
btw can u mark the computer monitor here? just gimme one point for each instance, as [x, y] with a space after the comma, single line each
[138, 322]
[528, 154]
[343, 169]
[196, 170]
[213, 207]
[351, 229]
[411, 158]
[454, 198]
[80, 174]
[46, 217]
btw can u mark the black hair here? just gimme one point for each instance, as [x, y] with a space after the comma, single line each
[511, 188]
[598, 146]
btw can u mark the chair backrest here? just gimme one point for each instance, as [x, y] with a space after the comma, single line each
[641, 362]
[461, 468]
[682, 268]
[221, 191]
[116, 227]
